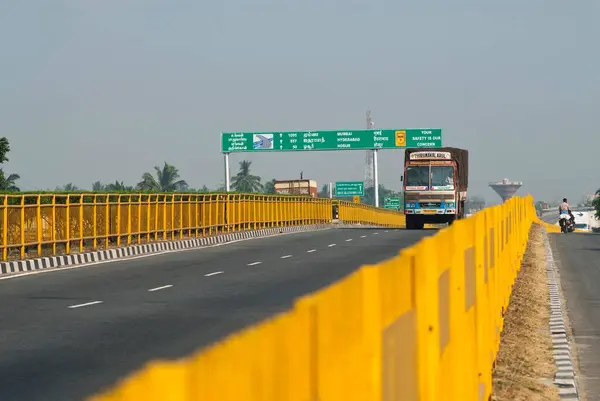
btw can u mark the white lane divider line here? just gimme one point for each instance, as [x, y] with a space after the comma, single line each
[254, 263]
[311, 251]
[160, 288]
[349, 239]
[386, 231]
[375, 233]
[286, 256]
[363, 236]
[213, 274]
[86, 304]
[330, 245]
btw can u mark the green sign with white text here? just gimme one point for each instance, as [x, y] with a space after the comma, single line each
[391, 203]
[349, 188]
[233, 142]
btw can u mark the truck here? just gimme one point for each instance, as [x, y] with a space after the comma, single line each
[297, 187]
[435, 185]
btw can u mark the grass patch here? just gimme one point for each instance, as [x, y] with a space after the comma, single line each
[525, 365]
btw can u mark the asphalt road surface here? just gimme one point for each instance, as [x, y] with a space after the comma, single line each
[68, 334]
[578, 259]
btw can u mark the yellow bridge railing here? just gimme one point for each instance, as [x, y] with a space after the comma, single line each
[424, 325]
[51, 224]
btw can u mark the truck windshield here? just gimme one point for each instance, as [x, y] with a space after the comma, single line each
[417, 177]
[442, 178]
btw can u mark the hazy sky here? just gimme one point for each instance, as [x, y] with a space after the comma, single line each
[106, 89]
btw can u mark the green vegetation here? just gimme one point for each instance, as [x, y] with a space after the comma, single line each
[596, 204]
[8, 183]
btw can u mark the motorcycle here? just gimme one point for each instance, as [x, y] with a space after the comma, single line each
[567, 223]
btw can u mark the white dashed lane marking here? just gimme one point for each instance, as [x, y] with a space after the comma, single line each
[330, 245]
[311, 251]
[349, 239]
[363, 236]
[160, 288]
[286, 256]
[86, 304]
[254, 263]
[213, 274]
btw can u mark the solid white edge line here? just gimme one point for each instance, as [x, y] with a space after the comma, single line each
[160, 288]
[311, 251]
[254, 263]
[286, 256]
[85, 304]
[213, 274]
[149, 255]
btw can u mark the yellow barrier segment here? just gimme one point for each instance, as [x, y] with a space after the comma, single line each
[52, 224]
[424, 325]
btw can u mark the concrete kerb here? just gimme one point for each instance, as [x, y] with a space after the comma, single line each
[565, 378]
[71, 260]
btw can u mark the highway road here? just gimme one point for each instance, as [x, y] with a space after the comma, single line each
[578, 259]
[67, 334]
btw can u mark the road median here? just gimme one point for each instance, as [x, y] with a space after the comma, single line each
[525, 366]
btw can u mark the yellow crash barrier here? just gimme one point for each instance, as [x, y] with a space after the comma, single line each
[424, 325]
[53, 224]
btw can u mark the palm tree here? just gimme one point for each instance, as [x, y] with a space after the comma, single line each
[98, 186]
[244, 181]
[167, 180]
[9, 184]
[270, 186]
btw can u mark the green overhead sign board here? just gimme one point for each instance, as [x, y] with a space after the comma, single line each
[391, 203]
[233, 142]
[349, 188]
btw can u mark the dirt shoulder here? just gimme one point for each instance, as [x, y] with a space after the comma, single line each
[525, 365]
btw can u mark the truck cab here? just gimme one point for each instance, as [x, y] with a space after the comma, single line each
[435, 186]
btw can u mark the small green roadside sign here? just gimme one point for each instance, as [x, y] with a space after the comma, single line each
[391, 203]
[349, 188]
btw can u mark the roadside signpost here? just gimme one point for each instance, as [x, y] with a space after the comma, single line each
[303, 141]
[391, 203]
[349, 188]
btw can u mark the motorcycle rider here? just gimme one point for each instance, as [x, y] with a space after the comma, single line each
[564, 211]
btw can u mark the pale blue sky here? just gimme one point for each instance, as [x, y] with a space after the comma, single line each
[105, 89]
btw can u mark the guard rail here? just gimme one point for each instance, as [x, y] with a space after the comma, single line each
[36, 225]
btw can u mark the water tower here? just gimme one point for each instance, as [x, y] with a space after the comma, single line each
[505, 188]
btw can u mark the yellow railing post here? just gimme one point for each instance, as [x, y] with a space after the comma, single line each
[107, 222]
[118, 222]
[22, 228]
[5, 227]
[80, 218]
[68, 224]
[129, 217]
[95, 222]
[39, 225]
